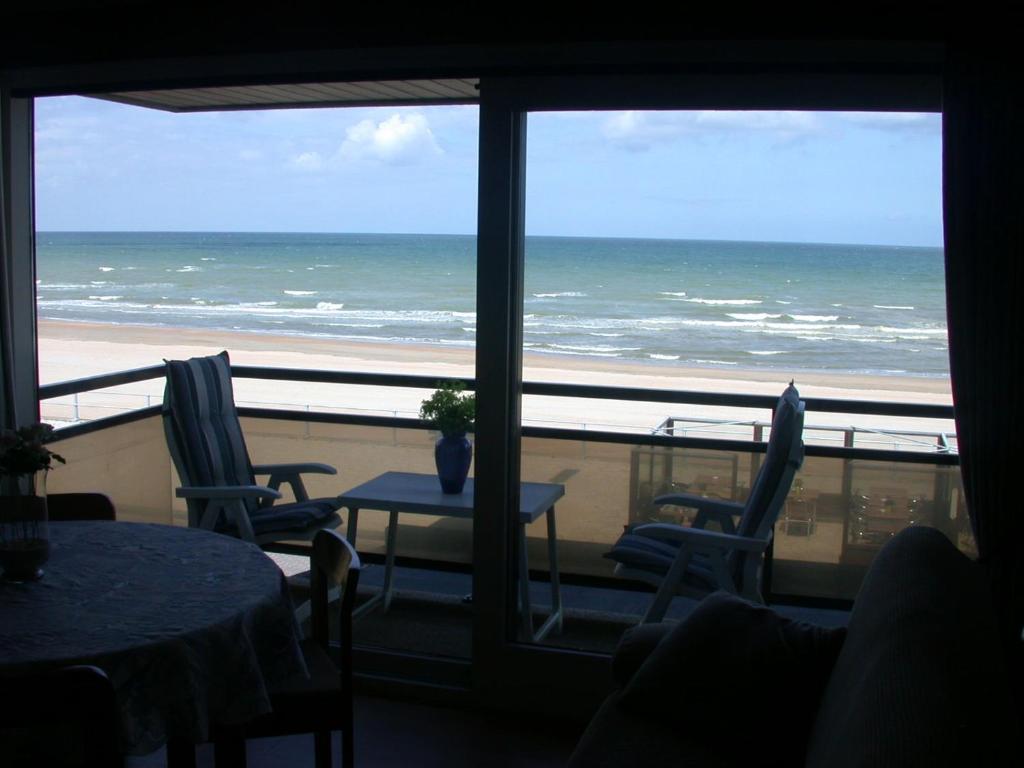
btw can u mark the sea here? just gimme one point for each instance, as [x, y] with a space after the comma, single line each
[799, 306]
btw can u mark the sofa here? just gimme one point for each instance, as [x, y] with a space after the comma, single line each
[915, 679]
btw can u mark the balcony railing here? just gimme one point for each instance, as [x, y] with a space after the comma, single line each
[856, 488]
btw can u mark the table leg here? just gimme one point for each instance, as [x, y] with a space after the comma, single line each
[556, 584]
[554, 619]
[525, 609]
[353, 524]
[389, 556]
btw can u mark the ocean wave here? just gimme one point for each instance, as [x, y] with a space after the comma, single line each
[672, 293]
[61, 286]
[561, 323]
[269, 309]
[106, 298]
[301, 293]
[794, 327]
[608, 335]
[326, 305]
[730, 302]
[765, 353]
[582, 348]
[710, 362]
[188, 268]
[780, 301]
[815, 318]
[751, 315]
[574, 294]
[207, 258]
[549, 351]
[106, 269]
[655, 356]
[914, 331]
[890, 306]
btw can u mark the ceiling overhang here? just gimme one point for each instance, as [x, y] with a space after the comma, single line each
[337, 94]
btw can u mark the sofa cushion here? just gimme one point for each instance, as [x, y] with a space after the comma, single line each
[919, 680]
[744, 678]
[635, 645]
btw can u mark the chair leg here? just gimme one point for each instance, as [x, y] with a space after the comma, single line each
[348, 759]
[229, 750]
[322, 749]
[180, 754]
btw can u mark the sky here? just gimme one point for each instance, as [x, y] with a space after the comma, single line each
[872, 178]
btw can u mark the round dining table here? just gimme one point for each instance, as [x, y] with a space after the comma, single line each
[191, 627]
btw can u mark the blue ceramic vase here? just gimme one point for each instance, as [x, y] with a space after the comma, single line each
[453, 454]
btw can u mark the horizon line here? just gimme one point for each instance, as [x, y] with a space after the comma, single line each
[940, 246]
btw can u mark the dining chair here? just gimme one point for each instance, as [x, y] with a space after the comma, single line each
[65, 507]
[321, 703]
[66, 717]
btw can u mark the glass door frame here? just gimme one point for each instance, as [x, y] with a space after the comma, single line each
[522, 674]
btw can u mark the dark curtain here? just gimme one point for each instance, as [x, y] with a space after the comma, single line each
[6, 343]
[983, 185]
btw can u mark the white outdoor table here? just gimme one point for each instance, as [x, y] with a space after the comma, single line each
[420, 494]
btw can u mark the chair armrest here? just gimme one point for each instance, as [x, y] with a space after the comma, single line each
[699, 539]
[311, 468]
[292, 474]
[713, 507]
[722, 512]
[226, 492]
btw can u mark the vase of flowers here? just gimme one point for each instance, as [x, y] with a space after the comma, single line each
[452, 412]
[24, 532]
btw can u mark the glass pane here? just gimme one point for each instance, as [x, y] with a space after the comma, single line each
[728, 253]
[338, 239]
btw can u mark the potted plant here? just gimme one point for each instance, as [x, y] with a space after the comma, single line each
[24, 534]
[452, 412]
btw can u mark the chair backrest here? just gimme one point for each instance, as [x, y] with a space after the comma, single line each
[79, 506]
[783, 457]
[65, 717]
[201, 424]
[335, 564]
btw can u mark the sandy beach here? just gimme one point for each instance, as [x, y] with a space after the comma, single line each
[75, 350]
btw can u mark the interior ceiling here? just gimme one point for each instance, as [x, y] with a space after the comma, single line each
[375, 93]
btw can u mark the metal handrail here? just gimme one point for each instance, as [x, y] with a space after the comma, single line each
[939, 440]
[550, 389]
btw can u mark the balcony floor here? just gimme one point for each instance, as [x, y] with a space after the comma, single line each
[429, 613]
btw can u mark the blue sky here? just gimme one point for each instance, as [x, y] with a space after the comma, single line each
[789, 176]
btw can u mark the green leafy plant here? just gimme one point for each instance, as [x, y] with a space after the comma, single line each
[450, 409]
[23, 451]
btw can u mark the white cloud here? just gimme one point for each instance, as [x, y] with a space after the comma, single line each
[398, 140]
[640, 130]
[308, 161]
[902, 122]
